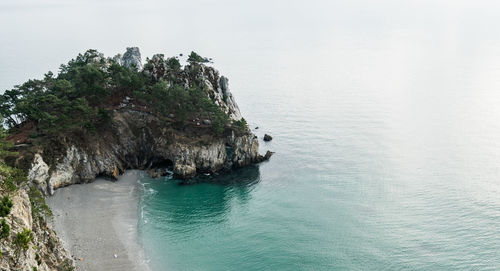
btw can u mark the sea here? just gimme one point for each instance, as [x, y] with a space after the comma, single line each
[385, 118]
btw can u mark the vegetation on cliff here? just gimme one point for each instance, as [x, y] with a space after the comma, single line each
[23, 234]
[81, 97]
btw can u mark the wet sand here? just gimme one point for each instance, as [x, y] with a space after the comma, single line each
[98, 223]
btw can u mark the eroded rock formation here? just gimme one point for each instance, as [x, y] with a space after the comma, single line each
[132, 58]
[135, 139]
[138, 139]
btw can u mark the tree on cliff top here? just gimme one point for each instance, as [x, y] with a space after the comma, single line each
[81, 97]
[196, 58]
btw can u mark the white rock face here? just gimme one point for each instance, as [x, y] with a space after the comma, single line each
[65, 172]
[233, 108]
[21, 210]
[39, 171]
[132, 58]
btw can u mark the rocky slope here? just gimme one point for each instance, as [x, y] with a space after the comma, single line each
[45, 251]
[138, 139]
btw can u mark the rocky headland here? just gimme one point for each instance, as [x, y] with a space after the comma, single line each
[101, 116]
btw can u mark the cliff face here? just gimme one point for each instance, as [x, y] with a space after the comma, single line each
[138, 139]
[135, 140]
[45, 252]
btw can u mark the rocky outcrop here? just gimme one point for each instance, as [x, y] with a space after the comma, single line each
[218, 89]
[267, 137]
[217, 86]
[132, 58]
[138, 139]
[45, 252]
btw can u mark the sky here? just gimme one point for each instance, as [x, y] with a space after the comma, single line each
[37, 36]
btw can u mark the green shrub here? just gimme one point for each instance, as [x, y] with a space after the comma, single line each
[67, 266]
[23, 239]
[10, 175]
[8, 185]
[15, 178]
[241, 125]
[4, 229]
[173, 64]
[4, 144]
[39, 207]
[38, 259]
[196, 58]
[5, 206]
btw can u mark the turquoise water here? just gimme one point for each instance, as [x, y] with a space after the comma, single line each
[387, 154]
[384, 115]
[357, 183]
[386, 167]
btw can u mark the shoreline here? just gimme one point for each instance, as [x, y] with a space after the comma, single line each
[98, 223]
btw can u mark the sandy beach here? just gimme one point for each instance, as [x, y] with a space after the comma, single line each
[98, 223]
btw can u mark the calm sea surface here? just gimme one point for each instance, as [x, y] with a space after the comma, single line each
[385, 118]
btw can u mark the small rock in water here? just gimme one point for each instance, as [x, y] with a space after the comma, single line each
[256, 127]
[267, 137]
[268, 155]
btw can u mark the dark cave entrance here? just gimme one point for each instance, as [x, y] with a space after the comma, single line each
[162, 163]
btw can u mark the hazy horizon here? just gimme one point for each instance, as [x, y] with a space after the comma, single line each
[38, 36]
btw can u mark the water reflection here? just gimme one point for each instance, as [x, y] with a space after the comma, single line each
[176, 206]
